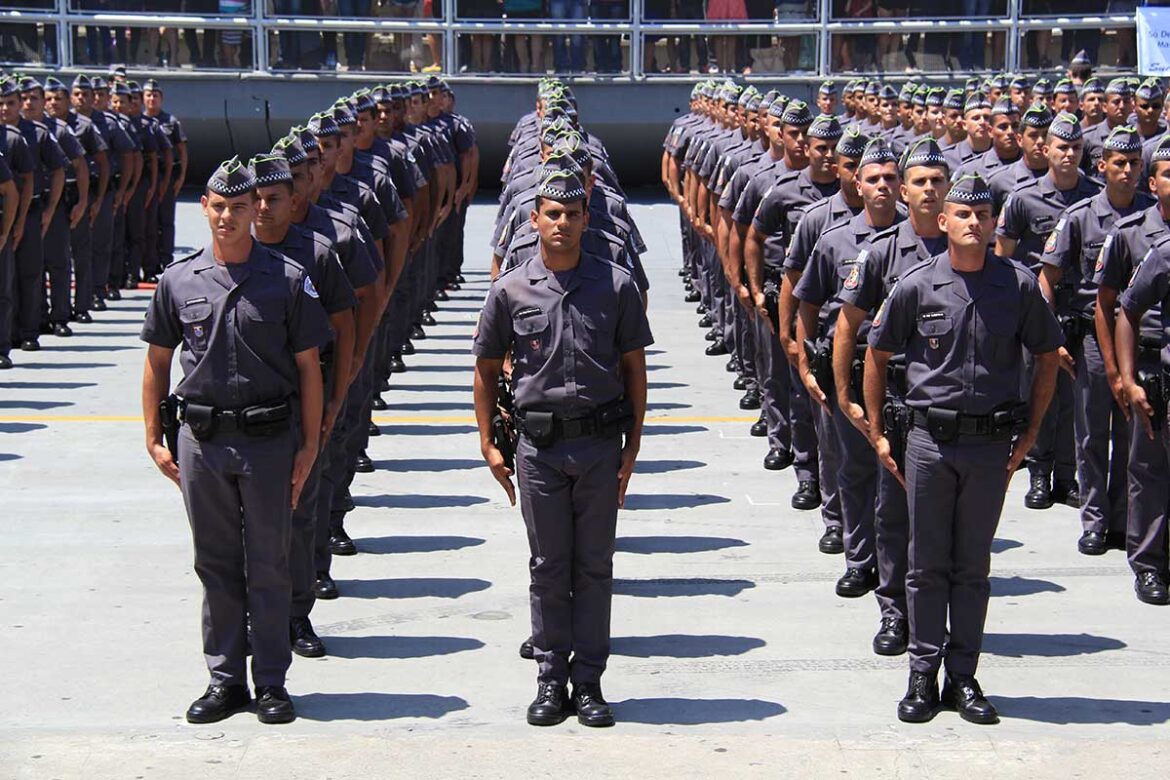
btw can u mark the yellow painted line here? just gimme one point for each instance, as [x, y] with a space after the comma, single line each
[381, 420]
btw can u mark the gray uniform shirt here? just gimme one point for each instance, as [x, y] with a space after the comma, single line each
[964, 333]
[239, 326]
[812, 223]
[1124, 248]
[779, 211]
[1034, 210]
[566, 342]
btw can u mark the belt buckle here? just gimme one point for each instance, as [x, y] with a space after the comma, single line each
[572, 429]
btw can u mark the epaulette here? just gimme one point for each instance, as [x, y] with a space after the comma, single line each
[885, 233]
[187, 258]
[1130, 220]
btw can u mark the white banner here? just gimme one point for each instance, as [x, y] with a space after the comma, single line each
[1153, 41]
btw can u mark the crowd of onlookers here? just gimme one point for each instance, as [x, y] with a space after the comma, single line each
[664, 51]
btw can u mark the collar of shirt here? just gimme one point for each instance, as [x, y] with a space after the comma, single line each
[996, 272]
[260, 260]
[586, 269]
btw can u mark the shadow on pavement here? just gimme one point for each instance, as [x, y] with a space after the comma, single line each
[666, 406]
[88, 348]
[20, 427]
[395, 388]
[45, 385]
[652, 545]
[65, 366]
[412, 588]
[673, 500]
[1048, 645]
[1022, 586]
[38, 405]
[428, 430]
[444, 368]
[398, 646]
[664, 466]
[428, 464]
[376, 706]
[660, 430]
[443, 351]
[9, 456]
[665, 385]
[417, 501]
[1003, 545]
[396, 545]
[683, 586]
[1076, 709]
[694, 712]
[683, 645]
[432, 406]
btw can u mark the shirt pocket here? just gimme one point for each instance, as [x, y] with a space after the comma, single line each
[196, 320]
[938, 335]
[260, 315]
[533, 338]
[1000, 318]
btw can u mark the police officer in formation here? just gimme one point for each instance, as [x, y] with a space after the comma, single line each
[78, 172]
[322, 274]
[964, 282]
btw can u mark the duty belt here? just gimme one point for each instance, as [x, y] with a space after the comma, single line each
[967, 424]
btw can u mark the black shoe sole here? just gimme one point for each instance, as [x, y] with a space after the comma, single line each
[761, 434]
[306, 654]
[889, 651]
[832, 549]
[219, 716]
[852, 594]
[907, 717]
[274, 720]
[1091, 550]
[344, 552]
[552, 720]
[1151, 601]
[330, 597]
[1032, 504]
[596, 723]
[805, 505]
[977, 720]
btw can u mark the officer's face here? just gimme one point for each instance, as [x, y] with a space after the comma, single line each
[774, 131]
[795, 145]
[1064, 156]
[889, 111]
[878, 185]
[995, 94]
[1032, 144]
[827, 104]
[330, 147]
[345, 139]
[1148, 112]
[1091, 105]
[83, 100]
[153, 100]
[120, 103]
[417, 111]
[274, 206]
[1020, 97]
[847, 173]
[57, 104]
[1160, 184]
[978, 125]
[871, 104]
[1004, 135]
[135, 104]
[1066, 101]
[1117, 107]
[921, 120]
[10, 109]
[934, 119]
[906, 114]
[32, 104]
[560, 225]
[953, 119]
[822, 156]
[967, 226]
[101, 100]
[924, 189]
[230, 219]
[435, 105]
[312, 170]
[302, 180]
[1121, 171]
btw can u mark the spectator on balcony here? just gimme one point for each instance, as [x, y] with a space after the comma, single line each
[528, 50]
[607, 49]
[483, 47]
[725, 11]
[230, 40]
[568, 50]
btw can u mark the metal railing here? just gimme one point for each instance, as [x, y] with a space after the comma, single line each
[60, 35]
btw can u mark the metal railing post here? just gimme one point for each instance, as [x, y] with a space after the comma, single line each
[1013, 44]
[450, 38]
[64, 44]
[260, 35]
[824, 59]
[637, 7]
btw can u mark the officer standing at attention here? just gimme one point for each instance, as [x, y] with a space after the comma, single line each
[172, 128]
[1066, 279]
[963, 320]
[576, 332]
[250, 324]
[17, 196]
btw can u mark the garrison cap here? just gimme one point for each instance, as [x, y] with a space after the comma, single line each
[322, 125]
[1004, 107]
[972, 85]
[827, 88]
[753, 104]
[779, 103]
[1037, 115]
[341, 114]
[769, 98]
[99, 84]
[562, 186]
[398, 92]
[231, 178]
[558, 160]
[1150, 90]
[81, 81]
[1042, 87]
[151, 85]
[135, 87]
[936, 96]
[907, 93]
[576, 150]
[270, 169]
[873, 87]
[417, 88]
[747, 95]
[1021, 82]
[1092, 85]
[121, 88]
[1081, 58]
[977, 101]
[919, 98]
[308, 140]
[825, 127]
[53, 84]
[363, 101]
[434, 82]
[1119, 86]
[1123, 138]
[852, 143]
[1064, 87]
[796, 113]
[877, 151]
[970, 190]
[998, 81]
[1161, 150]
[29, 83]
[380, 95]
[290, 146]
[954, 100]
[1066, 126]
[8, 86]
[858, 86]
[117, 72]
[923, 152]
[887, 93]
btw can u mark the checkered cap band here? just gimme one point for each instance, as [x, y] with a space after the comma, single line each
[970, 190]
[562, 186]
[231, 178]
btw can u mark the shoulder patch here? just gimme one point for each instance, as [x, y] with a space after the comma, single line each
[309, 289]
[1050, 244]
[1101, 255]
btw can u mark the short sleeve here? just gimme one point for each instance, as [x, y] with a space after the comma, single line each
[1039, 330]
[52, 155]
[308, 326]
[334, 288]
[768, 216]
[5, 171]
[1150, 282]
[1112, 264]
[633, 328]
[1063, 244]
[162, 327]
[813, 287]
[1013, 222]
[493, 335]
[894, 322]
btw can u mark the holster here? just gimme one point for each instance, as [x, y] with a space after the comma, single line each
[201, 419]
[857, 376]
[540, 428]
[266, 420]
[168, 412]
[503, 438]
[1009, 422]
[772, 305]
[1153, 382]
[1074, 328]
[616, 417]
[897, 422]
[820, 364]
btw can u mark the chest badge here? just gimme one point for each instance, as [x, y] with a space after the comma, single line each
[933, 342]
[198, 331]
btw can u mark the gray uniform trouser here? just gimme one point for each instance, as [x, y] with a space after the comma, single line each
[135, 223]
[302, 562]
[333, 474]
[1149, 496]
[857, 479]
[891, 527]
[829, 454]
[81, 249]
[29, 290]
[7, 304]
[101, 243]
[236, 489]
[118, 256]
[1054, 453]
[1101, 429]
[166, 229]
[773, 380]
[59, 266]
[745, 341]
[568, 497]
[955, 495]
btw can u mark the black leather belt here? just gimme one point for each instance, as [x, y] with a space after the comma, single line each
[967, 424]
